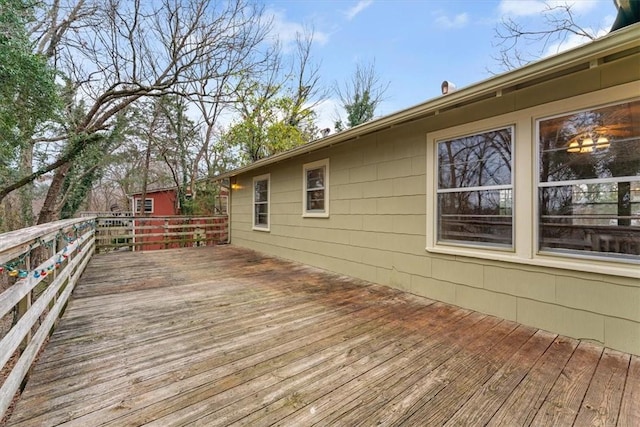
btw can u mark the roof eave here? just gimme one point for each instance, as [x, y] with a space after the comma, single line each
[619, 41]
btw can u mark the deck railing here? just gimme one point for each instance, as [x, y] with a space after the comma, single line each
[40, 266]
[117, 232]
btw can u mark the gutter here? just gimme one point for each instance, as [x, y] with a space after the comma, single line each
[589, 54]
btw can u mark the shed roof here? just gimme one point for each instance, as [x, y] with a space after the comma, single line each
[571, 61]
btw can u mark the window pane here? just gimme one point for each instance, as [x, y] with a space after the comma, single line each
[261, 190]
[315, 178]
[261, 214]
[475, 161]
[148, 205]
[473, 215]
[591, 217]
[315, 200]
[601, 143]
[590, 168]
[476, 216]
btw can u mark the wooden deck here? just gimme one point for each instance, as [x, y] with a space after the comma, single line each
[226, 336]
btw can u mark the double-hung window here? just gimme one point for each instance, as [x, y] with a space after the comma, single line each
[261, 196]
[475, 189]
[148, 205]
[589, 182]
[315, 188]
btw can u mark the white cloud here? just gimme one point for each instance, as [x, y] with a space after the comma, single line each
[515, 8]
[355, 10]
[457, 21]
[286, 31]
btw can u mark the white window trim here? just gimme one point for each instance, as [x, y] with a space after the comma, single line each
[525, 185]
[255, 227]
[137, 201]
[305, 168]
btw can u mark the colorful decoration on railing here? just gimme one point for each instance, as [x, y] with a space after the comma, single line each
[70, 237]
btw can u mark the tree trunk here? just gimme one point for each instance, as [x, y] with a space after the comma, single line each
[145, 178]
[49, 212]
[26, 192]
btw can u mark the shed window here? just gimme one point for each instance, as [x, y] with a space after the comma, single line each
[589, 182]
[148, 205]
[261, 196]
[475, 192]
[316, 189]
[222, 207]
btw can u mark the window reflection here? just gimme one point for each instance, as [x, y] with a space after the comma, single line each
[589, 196]
[475, 199]
[315, 189]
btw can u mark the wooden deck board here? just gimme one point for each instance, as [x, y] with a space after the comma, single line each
[630, 409]
[563, 402]
[601, 405]
[226, 336]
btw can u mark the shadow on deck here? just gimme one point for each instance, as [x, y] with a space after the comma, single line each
[223, 335]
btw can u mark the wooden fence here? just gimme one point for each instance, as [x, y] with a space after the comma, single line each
[40, 266]
[146, 233]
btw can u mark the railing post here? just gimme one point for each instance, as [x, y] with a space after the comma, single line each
[54, 250]
[166, 233]
[25, 303]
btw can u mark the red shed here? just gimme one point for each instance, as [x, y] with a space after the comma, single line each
[163, 202]
[160, 202]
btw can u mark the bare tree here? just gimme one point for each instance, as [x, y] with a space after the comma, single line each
[518, 45]
[113, 52]
[212, 97]
[306, 91]
[360, 95]
[276, 109]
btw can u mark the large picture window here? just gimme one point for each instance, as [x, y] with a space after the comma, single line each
[315, 188]
[261, 196]
[475, 192]
[589, 182]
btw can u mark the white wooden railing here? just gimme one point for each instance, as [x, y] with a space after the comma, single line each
[134, 233]
[39, 268]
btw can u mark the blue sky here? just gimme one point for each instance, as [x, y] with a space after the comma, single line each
[416, 44]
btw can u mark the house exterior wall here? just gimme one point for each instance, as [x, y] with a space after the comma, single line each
[381, 221]
[164, 203]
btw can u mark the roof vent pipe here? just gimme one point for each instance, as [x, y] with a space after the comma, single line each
[447, 87]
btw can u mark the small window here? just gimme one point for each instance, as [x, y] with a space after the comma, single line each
[222, 205]
[474, 189]
[316, 189]
[261, 196]
[589, 182]
[148, 205]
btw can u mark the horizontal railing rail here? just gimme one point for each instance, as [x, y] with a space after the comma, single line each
[117, 232]
[39, 267]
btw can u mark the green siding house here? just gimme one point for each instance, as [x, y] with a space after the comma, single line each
[518, 196]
